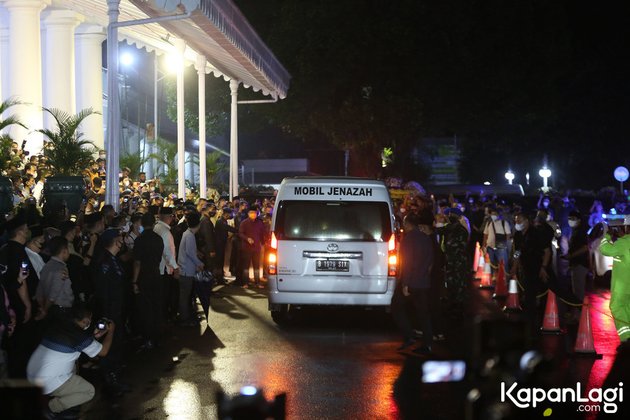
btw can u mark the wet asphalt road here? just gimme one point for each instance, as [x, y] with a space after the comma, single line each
[334, 364]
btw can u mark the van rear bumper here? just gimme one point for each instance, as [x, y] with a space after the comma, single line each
[334, 299]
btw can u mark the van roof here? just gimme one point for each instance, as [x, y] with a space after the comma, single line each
[332, 179]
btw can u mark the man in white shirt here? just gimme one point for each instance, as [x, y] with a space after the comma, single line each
[52, 365]
[496, 239]
[169, 270]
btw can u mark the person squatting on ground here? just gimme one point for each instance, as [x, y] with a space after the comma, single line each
[52, 365]
[412, 286]
[616, 244]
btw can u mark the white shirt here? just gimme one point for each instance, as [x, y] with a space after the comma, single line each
[36, 260]
[498, 228]
[169, 261]
[50, 368]
[38, 190]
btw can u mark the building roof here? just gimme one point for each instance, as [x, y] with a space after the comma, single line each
[216, 29]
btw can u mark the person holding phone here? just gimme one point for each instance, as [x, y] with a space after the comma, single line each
[52, 365]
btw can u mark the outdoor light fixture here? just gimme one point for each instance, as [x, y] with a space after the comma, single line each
[509, 175]
[126, 59]
[545, 173]
[173, 63]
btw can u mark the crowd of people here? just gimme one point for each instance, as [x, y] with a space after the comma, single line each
[546, 244]
[93, 281]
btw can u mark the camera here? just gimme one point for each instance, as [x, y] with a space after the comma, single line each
[101, 324]
[435, 371]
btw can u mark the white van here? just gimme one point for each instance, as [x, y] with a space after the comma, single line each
[333, 243]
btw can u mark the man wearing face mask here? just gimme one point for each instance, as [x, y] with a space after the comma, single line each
[252, 233]
[222, 230]
[454, 239]
[147, 284]
[616, 244]
[205, 236]
[54, 292]
[52, 365]
[109, 291]
[12, 254]
[532, 259]
[496, 238]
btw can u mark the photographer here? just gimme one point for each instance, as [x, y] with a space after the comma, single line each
[616, 243]
[52, 365]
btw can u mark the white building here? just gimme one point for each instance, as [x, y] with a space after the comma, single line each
[51, 55]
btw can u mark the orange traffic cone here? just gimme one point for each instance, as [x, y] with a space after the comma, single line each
[480, 265]
[584, 344]
[500, 289]
[512, 304]
[486, 277]
[476, 258]
[551, 321]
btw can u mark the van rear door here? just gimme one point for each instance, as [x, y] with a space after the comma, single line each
[333, 246]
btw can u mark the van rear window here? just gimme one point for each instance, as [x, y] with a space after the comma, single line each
[334, 220]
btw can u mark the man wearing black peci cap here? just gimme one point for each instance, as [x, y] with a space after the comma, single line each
[251, 232]
[109, 291]
[169, 270]
[147, 282]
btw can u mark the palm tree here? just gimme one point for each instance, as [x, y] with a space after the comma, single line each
[6, 158]
[66, 151]
[214, 166]
[134, 162]
[166, 157]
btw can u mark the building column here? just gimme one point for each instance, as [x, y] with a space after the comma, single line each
[201, 72]
[4, 54]
[180, 47]
[58, 54]
[112, 146]
[25, 69]
[88, 40]
[234, 139]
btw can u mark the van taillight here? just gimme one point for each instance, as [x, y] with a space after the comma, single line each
[272, 256]
[392, 257]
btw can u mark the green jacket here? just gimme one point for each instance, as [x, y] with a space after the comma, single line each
[620, 251]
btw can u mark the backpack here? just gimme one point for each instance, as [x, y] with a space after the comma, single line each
[500, 239]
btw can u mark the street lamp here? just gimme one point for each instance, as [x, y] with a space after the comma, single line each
[126, 59]
[509, 175]
[545, 173]
[621, 174]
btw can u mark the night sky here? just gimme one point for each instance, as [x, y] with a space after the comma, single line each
[516, 80]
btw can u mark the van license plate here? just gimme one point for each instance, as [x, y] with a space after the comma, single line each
[333, 265]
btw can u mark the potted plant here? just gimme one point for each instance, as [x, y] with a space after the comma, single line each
[7, 158]
[68, 154]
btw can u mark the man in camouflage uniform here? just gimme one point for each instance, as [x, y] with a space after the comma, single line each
[453, 238]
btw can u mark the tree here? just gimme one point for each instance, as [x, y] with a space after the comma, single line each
[7, 159]
[66, 151]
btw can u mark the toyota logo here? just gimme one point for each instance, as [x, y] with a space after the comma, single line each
[332, 247]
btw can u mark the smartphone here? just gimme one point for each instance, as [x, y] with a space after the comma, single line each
[435, 371]
[24, 267]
